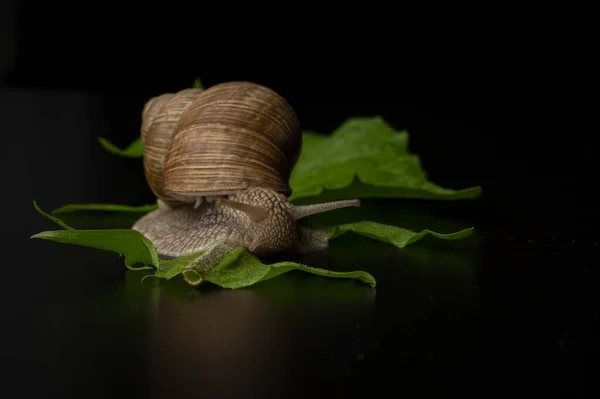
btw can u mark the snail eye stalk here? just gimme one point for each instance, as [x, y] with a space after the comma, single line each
[298, 212]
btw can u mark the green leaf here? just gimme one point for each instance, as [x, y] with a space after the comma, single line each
[54, 219]
[242, 269]
[198, 84]
[223, 265]
[364, 158]
[391, 234]
[358, 189]
[134, 150]
[104, 207]
[168, 269]
[132, 244]
[235, 267]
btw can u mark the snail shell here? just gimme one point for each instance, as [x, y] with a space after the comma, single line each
[215, 142]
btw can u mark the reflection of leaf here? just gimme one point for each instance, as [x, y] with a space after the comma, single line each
[368, 158]
[134, 150]
[391, 234]
[293, 289]
[104, 207]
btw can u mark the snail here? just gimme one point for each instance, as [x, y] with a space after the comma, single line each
[219, 161]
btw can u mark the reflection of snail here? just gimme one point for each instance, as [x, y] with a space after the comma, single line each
[219, 162]
[212, 341]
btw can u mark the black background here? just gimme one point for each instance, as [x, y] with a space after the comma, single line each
[501, 98]
[497, 98]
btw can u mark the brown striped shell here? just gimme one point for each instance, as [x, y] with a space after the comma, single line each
[219, 141]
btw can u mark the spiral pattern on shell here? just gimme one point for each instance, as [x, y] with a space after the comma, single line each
[218, 141]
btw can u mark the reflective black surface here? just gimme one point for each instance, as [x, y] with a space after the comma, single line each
[513, 308]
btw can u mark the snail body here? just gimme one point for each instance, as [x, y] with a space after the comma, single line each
[219, 162]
